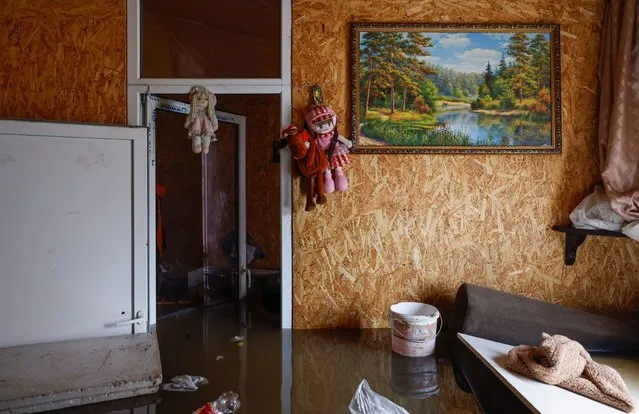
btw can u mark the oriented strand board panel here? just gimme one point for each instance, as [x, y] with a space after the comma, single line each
[414, 227]
[63, 60]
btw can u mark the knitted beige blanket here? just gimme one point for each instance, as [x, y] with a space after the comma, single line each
[563, 362]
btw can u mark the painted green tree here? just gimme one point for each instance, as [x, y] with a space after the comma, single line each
[540, 55]
[502, 68]
[390, 66]
[447, 79]
[489, 79]
[429, 92]
[522, 72]
[414, 46]
[371, 75]
[526, 77]
[500, 87]
[392, 61]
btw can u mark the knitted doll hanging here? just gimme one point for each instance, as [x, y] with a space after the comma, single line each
[321, 121]
[201, 121]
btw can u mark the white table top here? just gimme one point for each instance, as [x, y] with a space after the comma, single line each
[543, 398]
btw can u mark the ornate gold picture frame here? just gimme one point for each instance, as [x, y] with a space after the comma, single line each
[456, 88]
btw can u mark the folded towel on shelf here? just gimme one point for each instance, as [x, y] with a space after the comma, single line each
[561, 361]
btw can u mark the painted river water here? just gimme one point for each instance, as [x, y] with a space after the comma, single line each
[491, 129]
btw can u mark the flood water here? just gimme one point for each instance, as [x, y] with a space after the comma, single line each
[489, 129]
[280, 372]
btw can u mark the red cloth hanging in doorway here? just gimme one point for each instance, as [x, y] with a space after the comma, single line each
[159, 234]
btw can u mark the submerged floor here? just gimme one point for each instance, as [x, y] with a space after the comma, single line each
[300, 372]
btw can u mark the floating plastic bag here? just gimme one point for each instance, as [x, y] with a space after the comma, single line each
[367, 401]
[185, 383]
[595, 212]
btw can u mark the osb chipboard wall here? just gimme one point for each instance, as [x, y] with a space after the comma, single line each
[415, 227]
[63, 60]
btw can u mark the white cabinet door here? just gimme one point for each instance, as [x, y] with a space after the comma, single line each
[72, 231]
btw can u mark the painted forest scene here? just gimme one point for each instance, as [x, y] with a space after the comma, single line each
[454, 89]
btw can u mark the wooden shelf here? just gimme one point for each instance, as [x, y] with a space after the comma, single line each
[575, 237]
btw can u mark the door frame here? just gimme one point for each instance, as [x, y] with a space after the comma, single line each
[138, 86]
[155, 103]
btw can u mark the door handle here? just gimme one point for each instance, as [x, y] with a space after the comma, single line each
[246, 272]
[139, 318]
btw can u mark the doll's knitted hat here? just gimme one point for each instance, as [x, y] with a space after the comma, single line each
[320, 113]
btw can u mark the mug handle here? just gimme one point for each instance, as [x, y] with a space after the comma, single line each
[441, 325]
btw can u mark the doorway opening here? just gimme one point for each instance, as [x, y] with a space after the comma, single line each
[217, 215]
[169, 50]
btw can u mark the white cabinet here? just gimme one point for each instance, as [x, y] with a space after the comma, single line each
[73, 226]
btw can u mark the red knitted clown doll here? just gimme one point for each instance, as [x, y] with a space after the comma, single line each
[321, 122]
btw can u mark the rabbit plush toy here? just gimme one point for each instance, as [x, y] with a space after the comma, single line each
[201, 121]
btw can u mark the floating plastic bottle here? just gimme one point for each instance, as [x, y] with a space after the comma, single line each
[227, 403]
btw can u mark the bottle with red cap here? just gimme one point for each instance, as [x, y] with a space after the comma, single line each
[227, 403]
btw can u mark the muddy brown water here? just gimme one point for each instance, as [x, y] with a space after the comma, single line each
[275, 371]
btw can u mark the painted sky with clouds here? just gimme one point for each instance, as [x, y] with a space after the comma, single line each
[469, 52]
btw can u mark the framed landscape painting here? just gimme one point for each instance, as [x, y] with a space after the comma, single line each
[455, 88]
